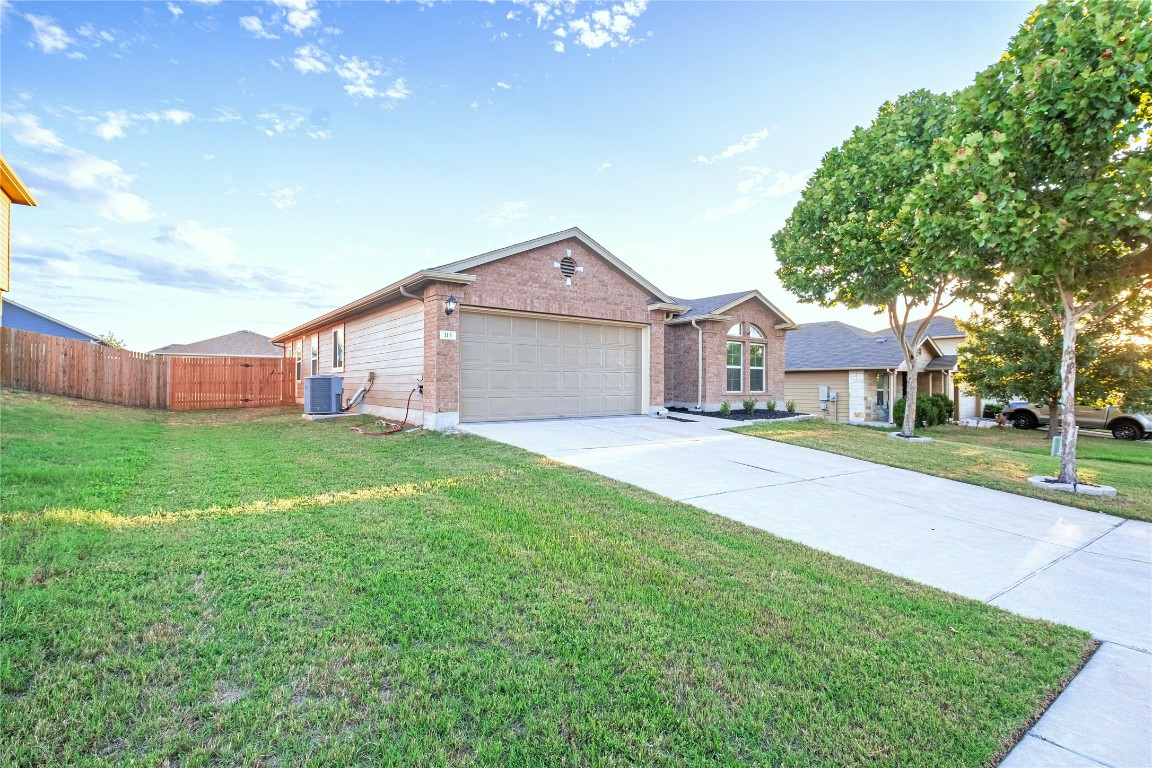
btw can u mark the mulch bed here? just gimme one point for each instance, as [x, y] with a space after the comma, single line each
[738, 414]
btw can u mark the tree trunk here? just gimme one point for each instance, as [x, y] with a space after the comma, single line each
[1068, 394]
[1053, 418]
[908, 429]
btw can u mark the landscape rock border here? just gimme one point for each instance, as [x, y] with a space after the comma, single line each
[1082, 489]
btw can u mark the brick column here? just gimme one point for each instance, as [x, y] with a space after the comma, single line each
[657, 396]
[441, 359]
[715, 365]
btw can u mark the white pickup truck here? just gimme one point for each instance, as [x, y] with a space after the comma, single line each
[1124, 426]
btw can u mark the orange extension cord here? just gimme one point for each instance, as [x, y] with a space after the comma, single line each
[392, 428]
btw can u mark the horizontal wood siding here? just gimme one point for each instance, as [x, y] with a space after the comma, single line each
[803, 387]
[81, 369]
[5, 240]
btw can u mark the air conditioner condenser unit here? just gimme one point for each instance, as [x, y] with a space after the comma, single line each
[323, 394]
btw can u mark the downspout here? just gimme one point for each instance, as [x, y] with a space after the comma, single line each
[699, 365]
[407, 295]
[891, 372]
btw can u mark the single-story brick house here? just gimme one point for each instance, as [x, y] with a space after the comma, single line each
[237, 344]
[554, 327]
[866, 370]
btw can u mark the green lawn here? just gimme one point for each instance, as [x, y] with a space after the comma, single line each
[251, 589]
[1003, 459]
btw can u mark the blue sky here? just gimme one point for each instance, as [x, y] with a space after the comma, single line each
[205, 167]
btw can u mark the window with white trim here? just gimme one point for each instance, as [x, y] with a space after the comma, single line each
[338, 349]
[755, 367]
[736, 330]
[315, 354]
[299, 357]
[735, 366]
[754, 331]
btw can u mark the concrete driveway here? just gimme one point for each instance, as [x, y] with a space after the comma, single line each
[1033, 557]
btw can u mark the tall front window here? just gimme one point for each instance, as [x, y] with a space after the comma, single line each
[881, 389]
[338, 349]
[315, 354]
[735, 366]
[299, 357]
[756, 367]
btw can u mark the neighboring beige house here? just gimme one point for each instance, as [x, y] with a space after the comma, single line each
[554, 327]
[851, 375]
[11, 191]
[238, 344]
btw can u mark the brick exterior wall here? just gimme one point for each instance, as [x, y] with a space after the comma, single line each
[530, 282]
[681, 359]
[441, 397]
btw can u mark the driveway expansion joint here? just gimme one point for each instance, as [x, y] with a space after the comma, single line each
[1060, 559]
[1097, 761]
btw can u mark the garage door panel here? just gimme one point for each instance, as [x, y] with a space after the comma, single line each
[515, 367]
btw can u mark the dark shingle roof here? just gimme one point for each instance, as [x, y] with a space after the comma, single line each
[942, 363]
[238, 344]
[940, 328]
[708, 304]
[834, 345]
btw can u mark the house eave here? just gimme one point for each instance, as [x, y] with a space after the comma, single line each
[711, 317]
[380, 298]
[12, 185]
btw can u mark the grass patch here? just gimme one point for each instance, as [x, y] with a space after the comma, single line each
[261, 590]
[1003, 459]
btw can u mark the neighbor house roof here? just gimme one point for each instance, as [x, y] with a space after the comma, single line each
[714, 307]
[940, 328]
[833, 345]
[24, 318]
[238, 344]
[455, 272]
[12, 185]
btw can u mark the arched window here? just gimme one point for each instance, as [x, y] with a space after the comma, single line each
[735, 330]
[754, 331]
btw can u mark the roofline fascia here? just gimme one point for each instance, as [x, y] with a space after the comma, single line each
[372, 300]
[660, 305]
[556, 237]
[763, 299]
[13, 186]
[710, 317]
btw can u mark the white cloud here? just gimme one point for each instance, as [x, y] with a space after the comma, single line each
[359, 76]
[280, 125]
[323, 134]
[739, 205]
[603, 167]
[300, 15]
[77, 55]
[285, 197]
[115, 125]
[747, 143]
[505, 214]
[76, 174]
[254, 26]
[398, 90]
[225, 115]
[311, 59]
[769, 183]
[175, 10]
[502, 85]
[612, 26]
[192, 234]
[49, 35]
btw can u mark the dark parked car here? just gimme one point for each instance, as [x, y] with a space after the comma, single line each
[1124, 426]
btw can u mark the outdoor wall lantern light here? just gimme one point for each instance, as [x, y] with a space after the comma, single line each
[450, 305]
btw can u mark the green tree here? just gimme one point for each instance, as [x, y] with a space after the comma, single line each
[111, 340]
[1014, 348]
[845, 242]
[1044, 172]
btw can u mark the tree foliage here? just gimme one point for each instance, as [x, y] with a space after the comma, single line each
[112, 340]
[846, 243]
[1043, 172]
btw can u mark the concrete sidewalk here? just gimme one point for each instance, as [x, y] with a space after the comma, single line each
[1033, 557]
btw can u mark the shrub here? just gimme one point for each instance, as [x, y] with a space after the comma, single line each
[898, 410]
[750, 405]
[790, 406]
[725, 408]
[931, 410]
[992, 410]
[770, 405]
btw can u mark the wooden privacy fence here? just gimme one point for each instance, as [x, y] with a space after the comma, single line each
[73, 368]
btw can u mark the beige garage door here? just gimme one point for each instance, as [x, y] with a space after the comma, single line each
[516, 367]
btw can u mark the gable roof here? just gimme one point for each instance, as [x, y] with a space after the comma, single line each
[238, 344]
[24, 318]
[714, 307]
[571, 233]
[941, 327]
[834, 345]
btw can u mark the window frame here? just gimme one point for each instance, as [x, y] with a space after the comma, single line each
[754, 331]
[729, 367]
[881, 393]
[738, 328]
[339, 353]
[314, 365]
[763, 368]
[299, 355]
